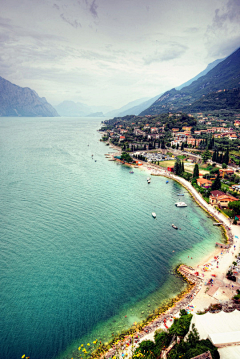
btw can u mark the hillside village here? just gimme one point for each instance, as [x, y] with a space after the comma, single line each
[210, 141]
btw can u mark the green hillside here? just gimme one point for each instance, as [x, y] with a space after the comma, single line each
[225, 76]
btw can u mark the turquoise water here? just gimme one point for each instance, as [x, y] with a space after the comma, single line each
[81, 255]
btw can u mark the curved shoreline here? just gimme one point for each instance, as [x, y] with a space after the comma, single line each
[126, 344]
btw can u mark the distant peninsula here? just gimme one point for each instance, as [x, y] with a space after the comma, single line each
[19, 101]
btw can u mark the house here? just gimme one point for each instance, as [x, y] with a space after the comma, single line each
[223, 200]
[232, 136]
[214, 195]
[235, 188]
[154, 130]
[225, 171]
[187, 128]
[204, 183]
[176, 142]
[123, 131]
[194, 141]
[121, 138]
[138, 132]
[153, 137]
[206, 355]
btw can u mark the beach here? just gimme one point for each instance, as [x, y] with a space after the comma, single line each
[202, 292]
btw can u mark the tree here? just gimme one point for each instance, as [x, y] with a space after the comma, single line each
[177, 167]
[126, 157]
[214, 157]
[216, 183]
[182, 146]
[235, 206]
[182, 167]
[196, 171]
[206, 155]
[226, 157]
[224, 165]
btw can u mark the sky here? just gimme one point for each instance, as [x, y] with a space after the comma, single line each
[111, 52]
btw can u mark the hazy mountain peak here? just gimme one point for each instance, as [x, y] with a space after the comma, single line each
[19, 101]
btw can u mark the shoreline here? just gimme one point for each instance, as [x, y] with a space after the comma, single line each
[196, 295]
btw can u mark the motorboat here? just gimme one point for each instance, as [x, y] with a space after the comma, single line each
[154, 215]
[148, 180]
[180, 194]
[175, 227]
[180, 204]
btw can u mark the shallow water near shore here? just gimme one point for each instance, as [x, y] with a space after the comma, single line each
[82, 257]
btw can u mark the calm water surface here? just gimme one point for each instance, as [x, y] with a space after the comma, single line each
[81, 256]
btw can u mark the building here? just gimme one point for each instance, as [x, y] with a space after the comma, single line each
[225, 172]
[138, 132]
[204, 183]
[214, 195]
[235, 188]
[194, 141]
[222, 329]
[221, 199]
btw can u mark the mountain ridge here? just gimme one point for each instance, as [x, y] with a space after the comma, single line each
[23, 101]
[224, 76]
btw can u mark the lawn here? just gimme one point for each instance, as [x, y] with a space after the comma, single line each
[166, 164]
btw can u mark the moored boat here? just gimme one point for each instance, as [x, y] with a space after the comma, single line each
[180, 204]
[175, 227]
[154, 215]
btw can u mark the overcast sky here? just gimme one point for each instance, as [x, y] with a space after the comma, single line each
[111, 52]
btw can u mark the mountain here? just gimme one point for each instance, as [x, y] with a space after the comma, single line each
[78, 109]
[224, 76]
[123, 111]
[19, 101]
[216, 101]
[204, 72]
[139, 108]
[96, 114]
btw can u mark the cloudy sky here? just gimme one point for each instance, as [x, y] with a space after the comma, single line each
[111, 52]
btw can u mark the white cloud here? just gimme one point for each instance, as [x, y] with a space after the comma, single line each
[111, 51]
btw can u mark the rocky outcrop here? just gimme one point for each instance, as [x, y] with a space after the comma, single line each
[19, 101]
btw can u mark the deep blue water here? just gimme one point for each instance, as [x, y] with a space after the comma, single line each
[79, 247]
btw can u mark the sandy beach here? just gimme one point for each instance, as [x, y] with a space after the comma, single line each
[213, 267]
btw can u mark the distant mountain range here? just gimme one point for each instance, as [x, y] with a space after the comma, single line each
[224, 76]
[139, 106]
[19, 101]
[204, 72]
[79, 109]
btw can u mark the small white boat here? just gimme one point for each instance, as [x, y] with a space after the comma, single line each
[175, 227]
[154, 215]
[180, 204]
[180, 194]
